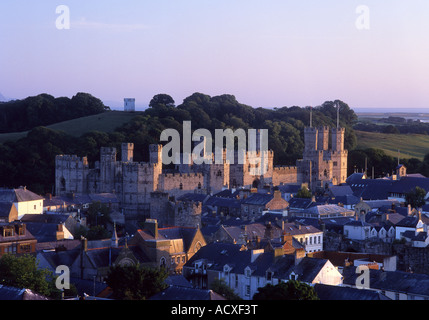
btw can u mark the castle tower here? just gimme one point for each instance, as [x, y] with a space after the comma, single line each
[127, 152]
[155, 159]
[310, 141]
[70, 174]
[338, 139]
[339, 155]
[323, 138]
[129, 104]
[107, 169]
[155, 153]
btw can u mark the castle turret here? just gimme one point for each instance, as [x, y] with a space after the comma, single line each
[127, 152]
[323, 138]
[338, 139]
[310, 141]
[107, 169]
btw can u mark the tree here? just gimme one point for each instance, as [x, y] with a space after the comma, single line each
[219, 286]
[134, 282]
[23, 272]
[162, 100]
[98, 214]
[303, 193]
[416, 197]
[291, 290]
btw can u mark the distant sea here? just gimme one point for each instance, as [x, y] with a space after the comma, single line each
[391, 110]
[421, 114]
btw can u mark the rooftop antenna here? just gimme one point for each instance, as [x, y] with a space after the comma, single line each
[398, 157]
[311, 117]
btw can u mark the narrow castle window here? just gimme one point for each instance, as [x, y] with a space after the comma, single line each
[181, 186]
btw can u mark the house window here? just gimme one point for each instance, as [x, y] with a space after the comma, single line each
[269, 276]
[7, 232]
[236, 280]
[25, 248]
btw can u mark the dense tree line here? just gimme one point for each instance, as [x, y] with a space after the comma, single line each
[44, 109]
[31, 161]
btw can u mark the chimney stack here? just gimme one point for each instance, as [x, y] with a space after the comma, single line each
[152, 226]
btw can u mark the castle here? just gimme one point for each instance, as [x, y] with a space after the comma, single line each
[140, 184]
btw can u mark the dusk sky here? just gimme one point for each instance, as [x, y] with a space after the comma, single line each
[271, 53]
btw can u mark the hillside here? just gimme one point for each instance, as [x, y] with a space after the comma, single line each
[104, 122]
[409, 145]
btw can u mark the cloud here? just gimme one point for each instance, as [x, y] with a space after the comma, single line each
[95, 25]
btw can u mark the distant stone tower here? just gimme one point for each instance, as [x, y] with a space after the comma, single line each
[129, 104]
[339, 155]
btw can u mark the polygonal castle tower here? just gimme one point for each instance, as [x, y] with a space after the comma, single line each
[322, 165]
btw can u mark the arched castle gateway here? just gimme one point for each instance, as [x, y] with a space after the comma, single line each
[135, 182]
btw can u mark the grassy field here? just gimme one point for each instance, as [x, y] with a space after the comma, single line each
[105, 122]
[409, 145]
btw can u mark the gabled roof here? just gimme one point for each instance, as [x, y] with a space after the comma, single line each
[220, 254]
[408, 222]
[259, 199]
[18, 195]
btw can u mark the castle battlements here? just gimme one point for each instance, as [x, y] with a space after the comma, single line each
[71, 159]
[183, 175]
[284, 169]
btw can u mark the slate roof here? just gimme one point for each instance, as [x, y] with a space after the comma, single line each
[259, 199]
[408, 222]
[420, 236]
[407, 184]
[184, 293]
[300, 203]
[369, 189]
[45, 218]
[345, 200]
[289, 188]
[5, 208]
[88, 286]
[395, 281]
[328, 292]
[56, 258]
[43, 232]
[340, 191]
[12, 293]
[221, 254]
[18, 195]
[227, 193]
[223, 202]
